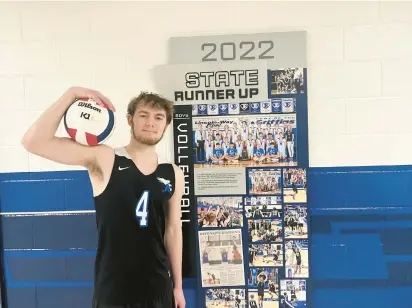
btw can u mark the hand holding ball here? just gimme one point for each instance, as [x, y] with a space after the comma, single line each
[89, 123]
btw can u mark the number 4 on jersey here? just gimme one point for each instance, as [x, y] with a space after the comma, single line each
[142, 208]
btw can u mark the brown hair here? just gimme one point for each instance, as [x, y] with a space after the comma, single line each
[153, 100]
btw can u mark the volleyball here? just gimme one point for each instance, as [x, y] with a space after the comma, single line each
[88, 123]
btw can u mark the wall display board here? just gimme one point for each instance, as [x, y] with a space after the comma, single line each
[241, 138]
[3, 291]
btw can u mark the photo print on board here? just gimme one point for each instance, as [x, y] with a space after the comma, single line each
[245, 140]
[296, 259]
[264, 181]
[263, 286]
[266, 255]
[287, 81]
[220, 211]
[257, 207]
[265, 230]
[295, 220]
[221, 257]
[225, 298]
[292, 293]
[294, 185]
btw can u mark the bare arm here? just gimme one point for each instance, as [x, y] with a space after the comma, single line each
[40, 138]
[173, 234]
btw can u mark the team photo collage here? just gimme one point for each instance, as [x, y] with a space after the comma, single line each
[253, 248]
[272, 219]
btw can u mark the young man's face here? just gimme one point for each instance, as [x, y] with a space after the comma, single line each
[148, 124]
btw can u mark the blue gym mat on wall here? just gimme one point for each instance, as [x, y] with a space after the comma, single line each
[361, 224]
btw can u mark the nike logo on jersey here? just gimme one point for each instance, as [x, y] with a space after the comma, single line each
[120, 168]
[167, 186]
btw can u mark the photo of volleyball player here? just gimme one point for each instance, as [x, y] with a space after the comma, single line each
[211, 278]
[264, 181]
[292, 294]
[225, 298]
[245, 141]
[287, 81]
[257, 207]
[265, 255]
[222, 251]
[265, 230]
[295, 221]
[294, 185]
[296, 259]
[263, 286]
[219, 212]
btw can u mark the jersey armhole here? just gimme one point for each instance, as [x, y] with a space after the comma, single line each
[109, 169]
[162, 160]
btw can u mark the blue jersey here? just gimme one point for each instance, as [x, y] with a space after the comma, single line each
[272, 151]
[253, 272]
[259, 152]
[232, 152]
[218, 153]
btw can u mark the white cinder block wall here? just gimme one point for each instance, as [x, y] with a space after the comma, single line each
[359, 57]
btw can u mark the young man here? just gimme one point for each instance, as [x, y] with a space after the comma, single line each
[137, 199]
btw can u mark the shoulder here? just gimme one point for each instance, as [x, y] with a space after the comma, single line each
[105, 158]
[179, 175]
[179, 179]
[121, 152]
[169, 170]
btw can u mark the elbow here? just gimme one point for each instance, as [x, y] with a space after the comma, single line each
[27, 143]
[30, 144]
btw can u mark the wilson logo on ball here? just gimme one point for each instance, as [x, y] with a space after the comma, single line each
[88, 105]
[88, 123]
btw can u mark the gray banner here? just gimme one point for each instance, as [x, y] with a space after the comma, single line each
[279, 49]
[213, 82]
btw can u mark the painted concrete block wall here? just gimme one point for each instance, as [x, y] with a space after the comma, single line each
[358, 55]
[359, 68]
